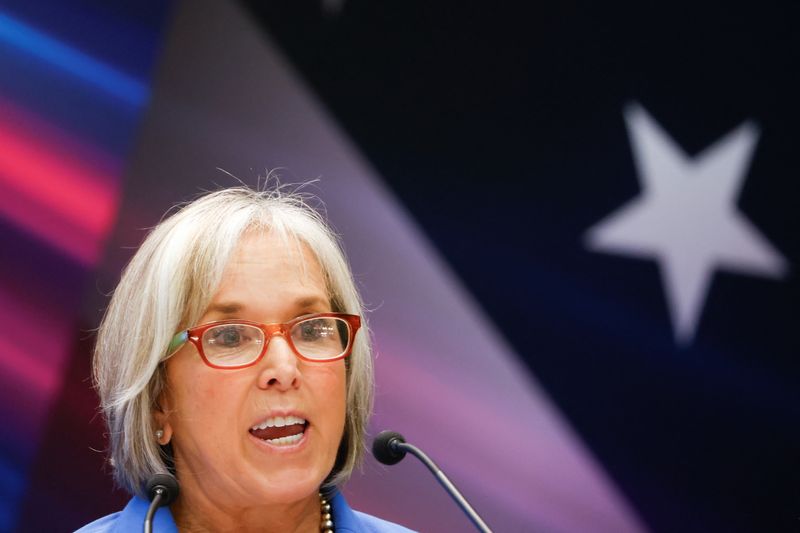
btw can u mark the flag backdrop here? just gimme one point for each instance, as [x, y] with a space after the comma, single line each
[574, 225]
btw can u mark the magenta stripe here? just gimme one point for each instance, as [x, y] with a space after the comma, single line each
[55, 187]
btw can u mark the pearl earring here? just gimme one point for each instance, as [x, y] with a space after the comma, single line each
[159, 434]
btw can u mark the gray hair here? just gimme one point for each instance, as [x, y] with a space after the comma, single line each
[167, 286]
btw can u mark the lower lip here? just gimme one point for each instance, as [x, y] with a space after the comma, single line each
[282, 448]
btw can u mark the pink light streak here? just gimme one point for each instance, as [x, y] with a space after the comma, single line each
[54, 187]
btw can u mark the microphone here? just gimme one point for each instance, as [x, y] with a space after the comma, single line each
[385, 448]
[390, 447]
[162, 490]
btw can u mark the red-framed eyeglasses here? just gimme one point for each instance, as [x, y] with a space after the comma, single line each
[232, 344]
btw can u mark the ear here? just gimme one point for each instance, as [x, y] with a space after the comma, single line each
[162, 419]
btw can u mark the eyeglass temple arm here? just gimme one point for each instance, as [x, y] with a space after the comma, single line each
[177, 341]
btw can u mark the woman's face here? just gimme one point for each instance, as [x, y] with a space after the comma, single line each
[209, 414]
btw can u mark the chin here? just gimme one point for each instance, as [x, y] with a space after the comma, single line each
[290, 484]
[290, 492]
[291, 473]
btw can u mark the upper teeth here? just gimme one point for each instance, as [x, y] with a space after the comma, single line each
[279, 422]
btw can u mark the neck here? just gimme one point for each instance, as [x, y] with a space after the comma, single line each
[198, 514]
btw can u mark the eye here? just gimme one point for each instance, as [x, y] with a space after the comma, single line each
[316, 330]
[227, 336]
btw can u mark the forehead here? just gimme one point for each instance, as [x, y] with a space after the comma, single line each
[265, 264]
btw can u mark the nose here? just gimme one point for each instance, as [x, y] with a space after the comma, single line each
[279, 367]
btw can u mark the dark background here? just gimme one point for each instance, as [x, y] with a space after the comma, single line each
[501, 129]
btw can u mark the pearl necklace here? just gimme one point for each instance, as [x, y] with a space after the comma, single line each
[326, 526]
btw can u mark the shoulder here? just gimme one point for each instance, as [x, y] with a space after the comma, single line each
[131, 519]
[373, 524]
[101, 525]
[347, 520]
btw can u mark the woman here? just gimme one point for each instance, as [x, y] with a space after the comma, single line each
[233, 354]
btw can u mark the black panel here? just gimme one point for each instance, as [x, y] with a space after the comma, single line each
[501, 129]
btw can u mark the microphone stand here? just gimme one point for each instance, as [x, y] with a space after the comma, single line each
[399, 447]
[151, 511]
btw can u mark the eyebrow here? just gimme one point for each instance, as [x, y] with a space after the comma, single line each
[235, 308]
[311, 301]
[226, 308]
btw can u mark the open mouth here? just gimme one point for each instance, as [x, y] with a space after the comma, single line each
[280, 431]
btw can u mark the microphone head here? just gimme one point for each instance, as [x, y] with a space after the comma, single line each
[169, 486]
[384, 447]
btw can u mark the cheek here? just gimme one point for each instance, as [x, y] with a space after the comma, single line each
[200, 397]
[336, 382]
[329, 386]
[338, 395]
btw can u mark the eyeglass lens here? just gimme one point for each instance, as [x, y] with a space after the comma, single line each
[240, 344]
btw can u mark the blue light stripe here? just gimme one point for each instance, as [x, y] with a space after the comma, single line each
[73, 61]
[12, 488]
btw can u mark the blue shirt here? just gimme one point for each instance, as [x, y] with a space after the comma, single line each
[131, 519]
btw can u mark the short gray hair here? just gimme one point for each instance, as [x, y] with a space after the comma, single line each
[167, 286]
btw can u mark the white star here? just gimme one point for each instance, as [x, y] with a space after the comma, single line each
[686, 217]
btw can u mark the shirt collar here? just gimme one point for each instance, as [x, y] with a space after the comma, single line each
[132, 517]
